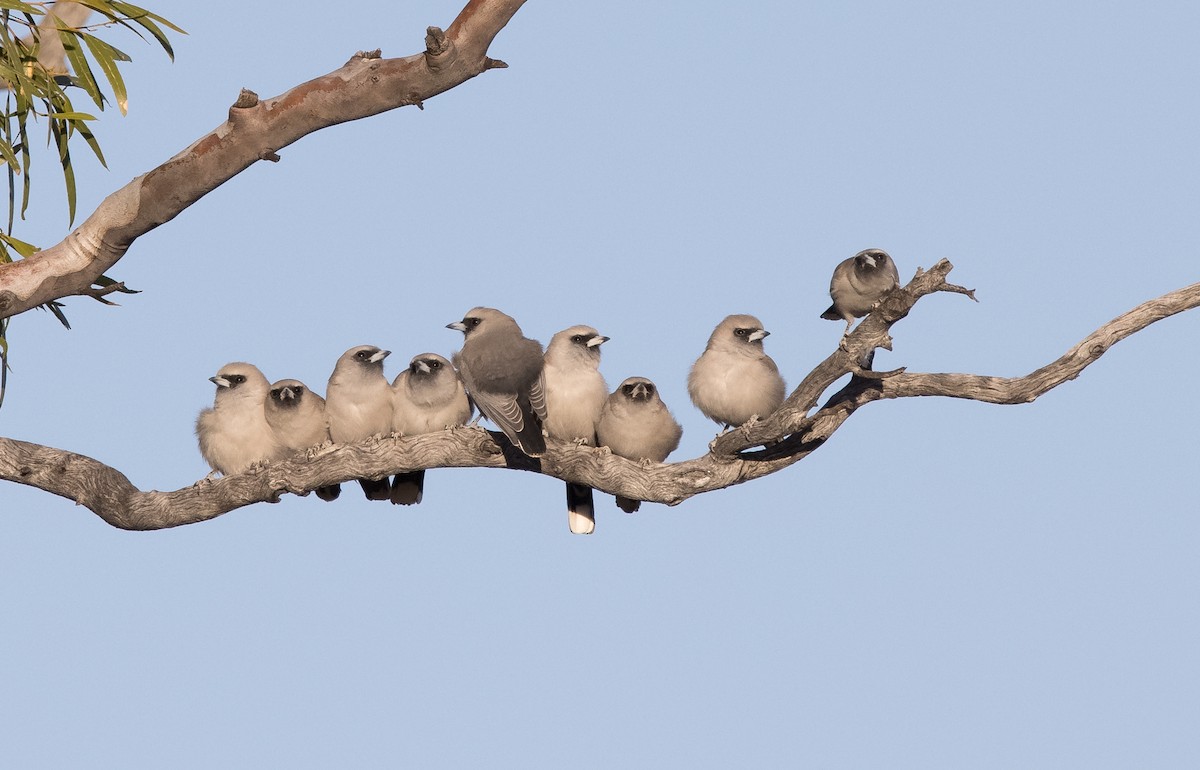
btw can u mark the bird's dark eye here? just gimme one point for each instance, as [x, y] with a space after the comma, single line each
[276, 393]
[741, 332]
[236, 379]
[649, 389]
[578, 339]
[434, 364]
[298, 390]
[472, 322]
[628, 389]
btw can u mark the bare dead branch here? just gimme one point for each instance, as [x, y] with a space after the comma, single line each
[256, 130]
[785, 437]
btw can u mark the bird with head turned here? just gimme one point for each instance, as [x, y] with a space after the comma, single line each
[734, 379]
[575, 393]
[858, 285]
[234, 434]
[358, 404]
[502, 369]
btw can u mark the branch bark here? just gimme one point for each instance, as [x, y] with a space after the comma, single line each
[743, 454]
[256, 130]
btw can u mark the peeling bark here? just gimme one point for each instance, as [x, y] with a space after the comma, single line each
[789, 435]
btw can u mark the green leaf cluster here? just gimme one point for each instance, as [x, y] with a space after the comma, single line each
[38, 91]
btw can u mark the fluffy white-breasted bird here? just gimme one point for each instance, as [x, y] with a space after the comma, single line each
[575, 394]
[502, 369]
[428, 396]
[734, 379]
[358, 405]
[859, 283]
[637, 425]
[234, 433]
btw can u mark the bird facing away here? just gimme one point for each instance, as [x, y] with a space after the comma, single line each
[297, 416]
[358, 405]
[734, 380]
[234, 434]
[575, 394]
[428, 396]
[859, 283]
[502, 370]
[636, 424]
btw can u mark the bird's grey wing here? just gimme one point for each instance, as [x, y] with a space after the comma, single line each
[537, 396]
[502, 409]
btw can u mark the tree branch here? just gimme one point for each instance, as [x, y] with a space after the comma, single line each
[256, 130]
[785, 437]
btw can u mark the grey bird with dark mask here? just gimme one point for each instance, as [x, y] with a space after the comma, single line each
[859, 283]
[502, 370]
[297, 416]
[234, 434]
[428, 396]
[637, 425]
[575, 394]
[734, 379]
[358, 405]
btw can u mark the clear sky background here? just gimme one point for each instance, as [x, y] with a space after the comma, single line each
[944, 584]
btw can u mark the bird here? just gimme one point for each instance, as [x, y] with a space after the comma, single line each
[428, 396]
[637, 425]
[297, 416]
[734, 380]
[859, 283]
[234, 434]
[575, 394]
[358, 405]
[502, 370]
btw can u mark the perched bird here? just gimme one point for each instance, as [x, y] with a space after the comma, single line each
[428, 396]
[502, 370]
[734, 380]
[859, 283]
[234, 433]
[297, 416]
[575, 394]
[358, 405]
[636, 424]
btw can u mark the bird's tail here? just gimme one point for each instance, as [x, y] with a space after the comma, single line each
[376, 489]
[628, 505]
[581, 511]
[408, 488]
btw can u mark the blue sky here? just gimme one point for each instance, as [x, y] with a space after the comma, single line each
[944, 584]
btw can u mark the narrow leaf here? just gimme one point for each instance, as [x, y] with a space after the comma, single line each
[88, 137]
[6, 152]
[147, 21]
[55, 307]
[19, 7]
[58, 131]
[104, 282]
[70, 116]
[18, 245]
[107, 57]
[84, 77]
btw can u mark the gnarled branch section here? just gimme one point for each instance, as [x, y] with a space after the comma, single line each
[256, 130]
[783, 438]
